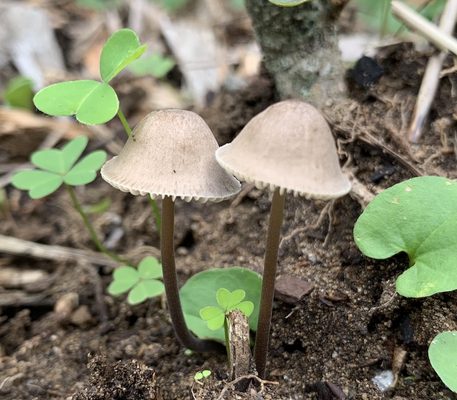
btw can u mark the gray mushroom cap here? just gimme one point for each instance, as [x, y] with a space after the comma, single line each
[287, 146]
[171, 153]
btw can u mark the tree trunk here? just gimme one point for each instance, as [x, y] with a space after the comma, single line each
[300, 48]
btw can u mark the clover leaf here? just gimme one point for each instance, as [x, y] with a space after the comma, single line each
[419, 217]
[120, 50]
[287, 3]
[156, 65]
[227, 301]
[200, 291]
[141, 282]
[56, 167]
[19, 93]
[93, 102]
[443, 357]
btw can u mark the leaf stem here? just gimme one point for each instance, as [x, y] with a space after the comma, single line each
[124, 122]
[152, 202]
[93, 235]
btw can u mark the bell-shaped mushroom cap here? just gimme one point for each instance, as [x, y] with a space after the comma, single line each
[171, 153]
[287, 146]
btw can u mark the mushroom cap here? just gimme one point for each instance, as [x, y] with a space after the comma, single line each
[171, 153]
[287, 146]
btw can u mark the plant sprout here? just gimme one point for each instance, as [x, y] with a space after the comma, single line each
[57, 167]
[227, 301]
[200, 375]
[418, 217]
[443, 357]
[142, 283]
[200, 290]
[94, 102]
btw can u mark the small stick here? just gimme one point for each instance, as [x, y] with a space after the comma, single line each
[424, 27]
[432, 76]
[11, 245]
[239, 353]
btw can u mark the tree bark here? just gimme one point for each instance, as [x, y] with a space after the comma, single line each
[300, 48]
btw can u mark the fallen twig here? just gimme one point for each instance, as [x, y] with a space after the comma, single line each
[11, 245]
[251, 376]
[432, 76]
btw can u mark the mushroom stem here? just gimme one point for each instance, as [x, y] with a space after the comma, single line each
[268, 282]
[171, 285]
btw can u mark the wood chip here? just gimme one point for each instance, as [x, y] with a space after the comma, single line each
[291, 289]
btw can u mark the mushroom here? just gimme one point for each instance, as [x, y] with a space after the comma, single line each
[287, 148]
[170, 154]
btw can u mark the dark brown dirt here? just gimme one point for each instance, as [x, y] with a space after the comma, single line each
[329, 345]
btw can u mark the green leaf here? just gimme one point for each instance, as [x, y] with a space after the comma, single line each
[419, 217]
[172, 5]
[144, 290]
[150, 268]
[85, 171]
[120, 50]
[443, 357]
[50, 160]
[287, 3]
[200, 291]
[124, 278]
[198, 376]
[91, 102]
[246, 307]
[38, 183]
[214, 317]
[206, 373]
[156, 65]
[19, 93]
[73, 150]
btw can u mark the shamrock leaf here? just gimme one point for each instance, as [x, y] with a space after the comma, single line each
[202, 375]
[419, 217]
[56, 167]
[141, 282]
[120, 50]
[443, 357]
[91, 102]
[156, 65]
[227, 301]
[19, 93]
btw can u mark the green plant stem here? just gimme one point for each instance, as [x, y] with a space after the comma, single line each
[124, 122]
[268, 282]
[89, 227]
[152, 202]
[184, 336]
[156, 213]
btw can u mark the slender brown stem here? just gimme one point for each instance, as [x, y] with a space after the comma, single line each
[171, 285]
[268, 282]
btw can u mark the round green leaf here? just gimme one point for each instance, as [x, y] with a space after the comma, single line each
[85, 171]
[144, 290]
[287, 3]
[124, 278]
[38, 183]
[120, 50]
[443, 357]
[200, 291]
[198, 376]
[419, 217]
[49, 160]
[73, 150]
[206, 373]
[210, 312]
[150, 268]
[91, 102]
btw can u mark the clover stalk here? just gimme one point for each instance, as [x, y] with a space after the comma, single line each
[268, 281]
[93, 234]
[185, 337]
